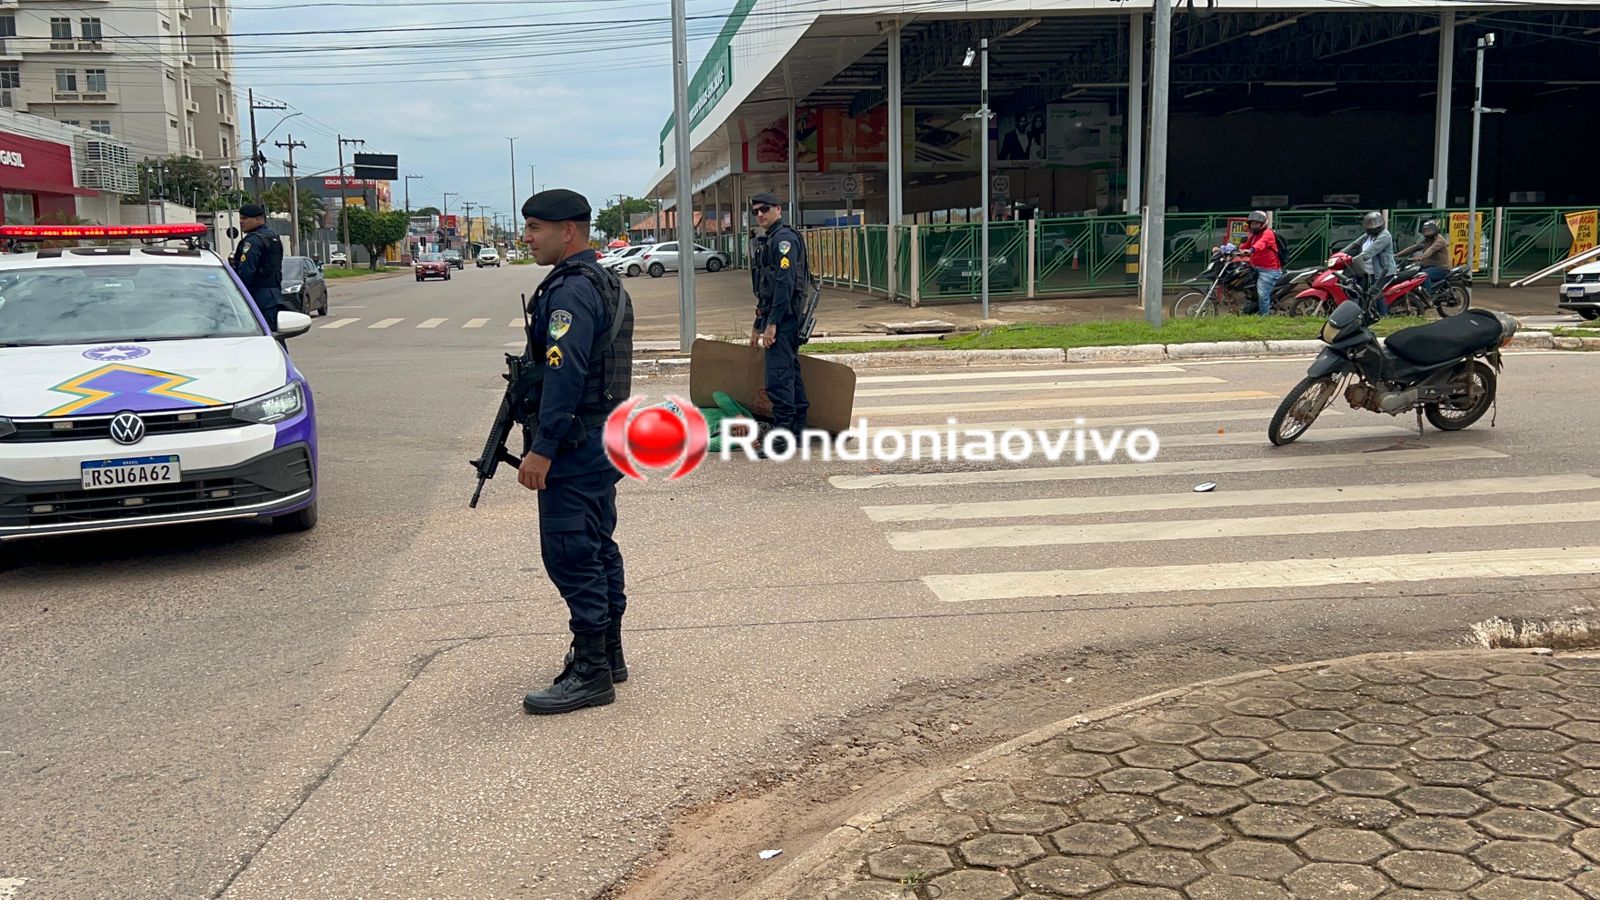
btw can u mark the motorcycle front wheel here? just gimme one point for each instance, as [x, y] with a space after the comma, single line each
[1300, 407]
[1412, 304]
[1191, 305]
[1476, 385]
[1320, 307]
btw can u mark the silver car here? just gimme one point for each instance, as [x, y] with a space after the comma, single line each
[626, 260]
[663, 258]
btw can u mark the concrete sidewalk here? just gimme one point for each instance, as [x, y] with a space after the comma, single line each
[1422, 775]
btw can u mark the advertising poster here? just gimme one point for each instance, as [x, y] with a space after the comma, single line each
[1019, 137]
[768, 149]
[1459, 240]
[937, 138]
[1582, 225]
[849, 142]
[1079, 134]
[1238, 230]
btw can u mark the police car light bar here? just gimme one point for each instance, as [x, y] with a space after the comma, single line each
[60, 232]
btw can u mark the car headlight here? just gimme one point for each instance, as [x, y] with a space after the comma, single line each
[274, 407]
[293, 289]
[6, 428]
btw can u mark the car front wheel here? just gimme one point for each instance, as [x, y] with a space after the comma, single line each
[299, 520]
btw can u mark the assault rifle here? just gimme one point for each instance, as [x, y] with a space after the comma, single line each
[523, 380]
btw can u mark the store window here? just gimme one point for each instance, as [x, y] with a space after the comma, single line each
[19, 209]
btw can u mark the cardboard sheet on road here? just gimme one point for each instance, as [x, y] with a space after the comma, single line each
[739, 371]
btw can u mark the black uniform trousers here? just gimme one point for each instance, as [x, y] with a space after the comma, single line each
[785, 388]
[577, 516]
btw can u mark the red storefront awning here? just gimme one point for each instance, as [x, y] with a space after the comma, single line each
[33, 166]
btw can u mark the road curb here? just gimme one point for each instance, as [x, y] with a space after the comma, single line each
[883, 359]
[828, 857]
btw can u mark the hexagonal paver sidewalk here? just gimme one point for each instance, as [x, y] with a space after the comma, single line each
[1460, 773]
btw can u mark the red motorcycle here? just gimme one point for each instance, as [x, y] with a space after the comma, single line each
[1404, 293]
[1329, 289]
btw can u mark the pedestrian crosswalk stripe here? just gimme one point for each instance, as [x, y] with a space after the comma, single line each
[340, 323]
[475, 323]
[942, 410]
[385, 323]
[432, 323]
[1040, 386]
[1086, 472]
[1212, 416]
[516, 323]
[1300, 496]
[980, 537]
[1274, 574]
[1009, 374]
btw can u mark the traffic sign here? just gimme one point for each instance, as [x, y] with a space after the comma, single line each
[850, 186]
[1000, 187]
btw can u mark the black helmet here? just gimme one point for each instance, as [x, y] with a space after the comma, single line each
[1372, 222]
[1430, 228]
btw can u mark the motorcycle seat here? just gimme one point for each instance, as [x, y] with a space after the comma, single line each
[1446, 339]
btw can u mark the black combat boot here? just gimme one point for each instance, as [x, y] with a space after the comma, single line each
[619, 665]
[587, 683]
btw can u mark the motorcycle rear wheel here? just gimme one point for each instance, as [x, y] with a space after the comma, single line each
[1412, 304]
[1478, 379]
[1453, 302]
[1300, 407]
[1313, 306]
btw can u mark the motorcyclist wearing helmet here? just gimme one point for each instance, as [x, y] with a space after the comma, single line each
[1261, 248]
[1432, 253]
[1375, 250]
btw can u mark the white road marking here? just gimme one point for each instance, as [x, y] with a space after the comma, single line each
[1252, 526]
[516, 323]
[10, 886]
[944, 409]
[1213, 416]
[1041, 386]
[1277, 573]
[433, 323]
[1355, 493]
[1091, 471]
[340, 323]
[980, 375]
[475, 323]
[385, 323]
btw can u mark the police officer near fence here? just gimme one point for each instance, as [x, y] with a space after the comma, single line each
[584, 380]
[778, 271]
[258, 260]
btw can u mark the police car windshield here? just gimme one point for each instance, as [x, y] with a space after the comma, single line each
[90, 304]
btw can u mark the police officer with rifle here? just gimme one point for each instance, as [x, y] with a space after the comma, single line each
[577, 369]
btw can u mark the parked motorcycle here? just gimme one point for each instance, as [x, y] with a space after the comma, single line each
[1438, 369]
[1230, 287]
[1331, 287]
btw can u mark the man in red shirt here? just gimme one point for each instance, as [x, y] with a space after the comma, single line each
[1262, 249]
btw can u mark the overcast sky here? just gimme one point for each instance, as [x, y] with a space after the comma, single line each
[585, 88]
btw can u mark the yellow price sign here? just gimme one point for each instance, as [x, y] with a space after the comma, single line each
[1459, 240]
[1582, 225]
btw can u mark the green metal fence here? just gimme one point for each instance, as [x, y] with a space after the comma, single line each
[1100, 254]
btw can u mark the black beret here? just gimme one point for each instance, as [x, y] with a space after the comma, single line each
[253, 211]
[558, 205]
[766, 197]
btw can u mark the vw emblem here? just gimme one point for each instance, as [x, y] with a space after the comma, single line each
[127, 428]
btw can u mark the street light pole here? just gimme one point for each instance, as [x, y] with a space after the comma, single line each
[1484, 43]
[683, 164]
[983, 115]
[1152, 230]
[514, 203]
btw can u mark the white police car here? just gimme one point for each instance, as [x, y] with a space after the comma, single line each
[140, 386]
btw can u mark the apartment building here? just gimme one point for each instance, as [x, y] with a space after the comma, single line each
[156, 74]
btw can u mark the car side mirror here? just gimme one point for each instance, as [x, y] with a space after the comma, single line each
[291, 324]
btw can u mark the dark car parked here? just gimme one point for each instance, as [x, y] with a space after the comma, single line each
[305, 290]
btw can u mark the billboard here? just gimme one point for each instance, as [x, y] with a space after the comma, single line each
[768, 149]
[1055, 135]
[377, 166]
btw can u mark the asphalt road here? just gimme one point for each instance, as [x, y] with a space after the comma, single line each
[220, 711]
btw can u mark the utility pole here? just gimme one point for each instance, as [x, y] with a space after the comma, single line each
[408, 180]
[257, 161]
[344, 201]
[1478, 110]
[1152, 230]
[468, 207]
[514, 204]
[682, 163]
[294, 197]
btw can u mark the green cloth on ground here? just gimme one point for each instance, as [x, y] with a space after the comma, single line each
[726, 408]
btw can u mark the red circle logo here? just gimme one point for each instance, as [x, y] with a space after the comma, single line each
[656, 438]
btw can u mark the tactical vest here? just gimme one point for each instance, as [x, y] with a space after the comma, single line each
[609, 380]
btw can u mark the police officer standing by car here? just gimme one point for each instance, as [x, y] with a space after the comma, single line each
[258, 260]
[781, 274]
[574, 314]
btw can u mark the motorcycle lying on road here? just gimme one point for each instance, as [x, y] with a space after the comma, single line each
[1444, 370]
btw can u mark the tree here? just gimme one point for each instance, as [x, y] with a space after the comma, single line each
[375, 231]
[427, 211]
[183, 179]
[276, 200]
[610, 221]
